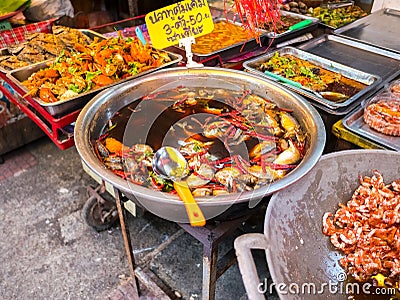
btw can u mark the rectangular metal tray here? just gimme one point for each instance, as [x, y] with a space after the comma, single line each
[90, 33]
[381, 28]
[355, 123]
[358, 55]
[369, 79]
[64, 107]
[225, 53]
[274, 39]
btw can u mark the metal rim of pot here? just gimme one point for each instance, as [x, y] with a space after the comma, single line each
[88, 122]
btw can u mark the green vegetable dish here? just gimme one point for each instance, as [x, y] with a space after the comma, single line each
[337, 17]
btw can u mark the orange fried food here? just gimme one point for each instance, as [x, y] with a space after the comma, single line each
[114, 146]
[92, 66]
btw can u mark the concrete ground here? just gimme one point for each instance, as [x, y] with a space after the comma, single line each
[49, 252]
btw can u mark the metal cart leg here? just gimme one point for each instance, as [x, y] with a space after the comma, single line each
[211, 236]
[210, 259]
[127, 238]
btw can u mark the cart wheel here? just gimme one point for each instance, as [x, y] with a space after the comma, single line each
[100, 214]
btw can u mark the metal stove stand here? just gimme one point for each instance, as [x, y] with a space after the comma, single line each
[210, 236]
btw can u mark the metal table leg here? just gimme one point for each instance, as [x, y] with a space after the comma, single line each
[126, 236]
[211, 236]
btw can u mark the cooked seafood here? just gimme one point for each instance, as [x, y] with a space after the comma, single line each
[367, 230]
[233, 141]
[395, 88]
[42, 46]
[310, 75]
[91, 66]
[384, 116]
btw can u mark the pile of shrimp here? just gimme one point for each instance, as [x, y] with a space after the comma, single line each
[367, 230]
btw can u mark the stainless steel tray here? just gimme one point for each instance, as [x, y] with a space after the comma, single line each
[355, 123]
[227, 52]
[360, 56]
[369, 79]
[60, 108]
[381, 28]
[289, 34]
[90, 33]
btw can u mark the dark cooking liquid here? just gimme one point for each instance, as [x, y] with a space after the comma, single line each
[157, 123]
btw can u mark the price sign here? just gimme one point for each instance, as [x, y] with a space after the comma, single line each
[188, 18]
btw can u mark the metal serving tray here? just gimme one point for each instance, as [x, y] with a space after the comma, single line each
[227, 52]
[274, 39]
[369, 79]
[381, 28]
[60, 108]
[360, 56]
[90, 33]
[355, 123]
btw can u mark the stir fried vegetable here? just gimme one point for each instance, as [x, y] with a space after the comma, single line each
[339, 16]
[99, 64]
[300, 71]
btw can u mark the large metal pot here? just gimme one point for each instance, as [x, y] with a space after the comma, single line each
[302, 262]
[96, 113]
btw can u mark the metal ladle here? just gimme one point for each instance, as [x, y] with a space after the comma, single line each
[328, 95]
[169, 163]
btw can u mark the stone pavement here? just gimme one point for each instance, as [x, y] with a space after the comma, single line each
[49, 252]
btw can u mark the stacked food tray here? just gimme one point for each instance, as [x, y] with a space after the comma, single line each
[386, 134]
[357, 55]
[334, 15]
[283, 31]
[368, 81]
[63, 107]
[211, 47]
[380, 29]
[57, 118]
[227, 40]
[379, 37]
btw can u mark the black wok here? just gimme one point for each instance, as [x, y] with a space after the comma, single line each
[302, 262]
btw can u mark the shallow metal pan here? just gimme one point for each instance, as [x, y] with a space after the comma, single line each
[355, 123]
[90, 33]
[225, 53]
[381, 28]
[274, 39]
[66, 106]
[369, 79]
[358, 55]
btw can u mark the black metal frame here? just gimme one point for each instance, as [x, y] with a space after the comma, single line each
[211, 235]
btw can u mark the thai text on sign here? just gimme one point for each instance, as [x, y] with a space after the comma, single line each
[166, 26]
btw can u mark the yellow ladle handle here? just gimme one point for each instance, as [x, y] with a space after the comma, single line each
[196, 217]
